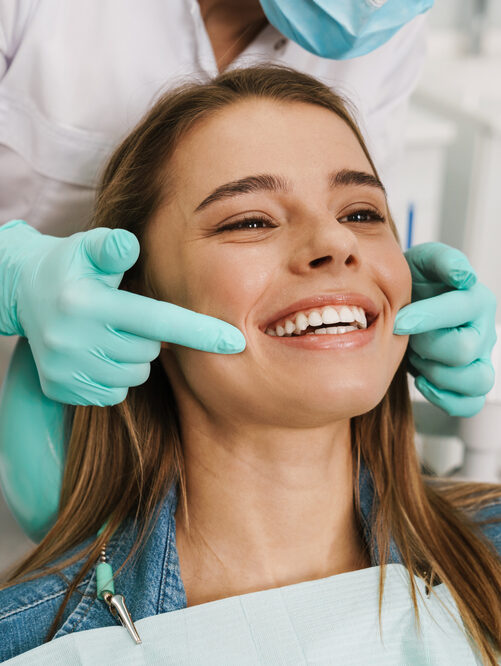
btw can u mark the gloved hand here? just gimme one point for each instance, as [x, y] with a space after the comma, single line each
[451, 321]
[91, 341]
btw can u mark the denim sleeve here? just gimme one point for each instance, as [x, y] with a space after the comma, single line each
[27, 611]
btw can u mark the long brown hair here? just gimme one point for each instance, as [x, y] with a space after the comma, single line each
[431, 520]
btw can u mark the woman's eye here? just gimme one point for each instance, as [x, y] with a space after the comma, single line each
[248, 223]
[366, 215]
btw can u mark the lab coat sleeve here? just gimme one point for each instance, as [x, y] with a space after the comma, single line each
[14, 18]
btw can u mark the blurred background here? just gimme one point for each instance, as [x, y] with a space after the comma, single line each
[448, 187]
[448, 191]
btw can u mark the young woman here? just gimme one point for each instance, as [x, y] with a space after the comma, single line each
[254, 200]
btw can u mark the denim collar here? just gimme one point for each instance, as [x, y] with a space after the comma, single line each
[368, 508]
[151, 580]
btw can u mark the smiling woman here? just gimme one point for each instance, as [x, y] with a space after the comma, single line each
[289, 217]
[256, 201]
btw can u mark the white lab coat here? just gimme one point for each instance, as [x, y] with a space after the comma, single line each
[75, 77]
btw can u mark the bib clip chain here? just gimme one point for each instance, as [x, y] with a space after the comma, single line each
[115, 602]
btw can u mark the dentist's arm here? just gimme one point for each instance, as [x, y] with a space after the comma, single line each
[451, 322]
[89, 342]
[32, 437]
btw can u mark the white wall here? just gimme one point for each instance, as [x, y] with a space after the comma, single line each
[457, 13]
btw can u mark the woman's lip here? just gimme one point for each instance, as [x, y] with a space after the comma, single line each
[350, 340]
[351, 298]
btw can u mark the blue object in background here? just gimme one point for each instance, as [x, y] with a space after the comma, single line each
[410, 226]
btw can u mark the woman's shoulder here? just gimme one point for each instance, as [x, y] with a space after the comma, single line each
[479, 502]
[28, 609]
[150, 579]
[488, 518]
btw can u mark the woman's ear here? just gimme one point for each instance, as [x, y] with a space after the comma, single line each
[164, 345]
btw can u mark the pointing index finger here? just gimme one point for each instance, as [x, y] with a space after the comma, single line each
[454, 308]
[158, 320]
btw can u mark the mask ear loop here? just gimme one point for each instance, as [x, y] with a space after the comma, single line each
[106, 592]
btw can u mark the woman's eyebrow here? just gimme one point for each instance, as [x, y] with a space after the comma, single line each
[272, 183]
[350, 177]
[266, 182]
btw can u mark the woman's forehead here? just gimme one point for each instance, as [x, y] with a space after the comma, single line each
[293, 139]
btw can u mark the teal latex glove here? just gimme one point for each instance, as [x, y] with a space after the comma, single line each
[90, 340]
[31, 446]
[451, 323]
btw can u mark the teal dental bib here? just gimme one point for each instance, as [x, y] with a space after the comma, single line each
[332, 620]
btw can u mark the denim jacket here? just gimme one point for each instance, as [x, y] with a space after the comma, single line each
[151, 581]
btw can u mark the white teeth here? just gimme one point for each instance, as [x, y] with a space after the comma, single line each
[334, 330]
[297, 325]
[330, 316]
[301, 322]
[345, 314]
[361, 319]
[337, 330]
[315, 318]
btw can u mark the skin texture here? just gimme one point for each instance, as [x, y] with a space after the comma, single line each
[231, 26]
[266, 432]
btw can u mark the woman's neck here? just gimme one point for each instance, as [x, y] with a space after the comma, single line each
[267, 509]
[231, 26]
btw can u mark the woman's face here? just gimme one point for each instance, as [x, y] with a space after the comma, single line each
[299, 243]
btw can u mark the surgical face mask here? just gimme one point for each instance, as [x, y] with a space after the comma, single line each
[340, 29]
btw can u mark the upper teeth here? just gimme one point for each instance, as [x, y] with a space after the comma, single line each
[330, 314]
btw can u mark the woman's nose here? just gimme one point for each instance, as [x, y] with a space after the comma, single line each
[324, 241]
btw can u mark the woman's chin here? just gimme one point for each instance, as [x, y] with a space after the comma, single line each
[318, 408]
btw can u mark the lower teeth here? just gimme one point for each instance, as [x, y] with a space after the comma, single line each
[332, 330]
[329, 330]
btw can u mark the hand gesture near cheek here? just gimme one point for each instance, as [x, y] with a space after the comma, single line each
[451, 323]
[90, 340]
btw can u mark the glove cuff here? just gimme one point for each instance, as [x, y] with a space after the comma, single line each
[12, 223]
[14, 242]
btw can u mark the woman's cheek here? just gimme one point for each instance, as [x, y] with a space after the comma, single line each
[231, 281]
[404, 279]
[399, 289]
[394, 275]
